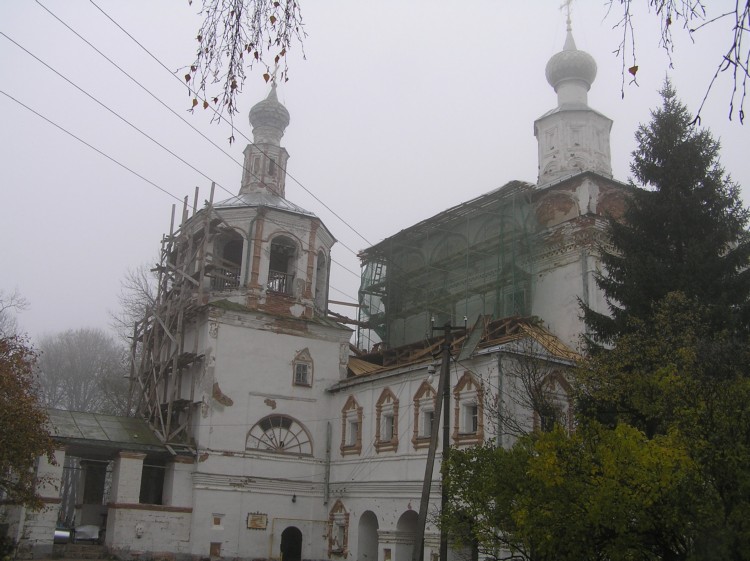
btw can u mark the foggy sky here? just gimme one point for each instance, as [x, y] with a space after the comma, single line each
[399, 110]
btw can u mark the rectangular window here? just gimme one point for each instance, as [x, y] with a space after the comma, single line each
[427, 418]
[152, 484]
[301, 372]
[386, 432]
[351, 437]
[471, 421]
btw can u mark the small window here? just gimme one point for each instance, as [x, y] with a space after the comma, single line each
[351, 427]
[424, 412]
[302, 368]
[468, 396]
[428, 418]
[271, 167]
[470, 422]
[217, 519]
[352, 433]
[386, 428]
[300, 375]
[386, 433]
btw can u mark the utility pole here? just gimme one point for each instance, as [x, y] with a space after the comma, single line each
[444, 407]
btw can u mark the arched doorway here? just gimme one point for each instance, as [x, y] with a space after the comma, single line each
[406, 530]
[367, 542]
[291, 544]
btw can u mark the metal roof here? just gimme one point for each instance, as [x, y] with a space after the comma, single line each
[98, 434]
[266, 199]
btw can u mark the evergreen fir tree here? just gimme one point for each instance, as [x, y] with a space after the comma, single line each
[684, 230]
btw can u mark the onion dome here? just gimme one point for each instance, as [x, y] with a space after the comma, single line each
[571, 65]
[269, 118]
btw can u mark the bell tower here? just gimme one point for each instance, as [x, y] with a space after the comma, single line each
[572, 137]
[265, 158]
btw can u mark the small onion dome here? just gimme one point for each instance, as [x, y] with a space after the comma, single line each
[270, 113]
[571, 64]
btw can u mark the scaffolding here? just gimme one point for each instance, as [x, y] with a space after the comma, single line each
[162, 372]
[472, 260]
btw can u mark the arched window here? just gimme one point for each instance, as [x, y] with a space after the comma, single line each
[279, 434]
[468, 411]
[282, 264]
[351, 427]
[386, 422]
[226, 264]
[424, 412]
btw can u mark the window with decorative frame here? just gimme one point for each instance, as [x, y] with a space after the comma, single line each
[338, 530]
[468, 410]
[302, 367]
[556, 405]
[424, 412]
[351, 427]
[386, 422]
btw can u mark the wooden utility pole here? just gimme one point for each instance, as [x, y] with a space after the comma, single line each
[440, 405]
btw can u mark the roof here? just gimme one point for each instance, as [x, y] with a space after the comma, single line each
[262, 199]
[490, 200]
[485, 333]
[98, 434]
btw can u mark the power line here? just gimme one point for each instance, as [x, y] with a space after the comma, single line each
[110, 158]
[113, 112]
[220, 118]
[174, 112]
[150, 182]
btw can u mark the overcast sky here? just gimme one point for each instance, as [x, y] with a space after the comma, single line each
[401, 109]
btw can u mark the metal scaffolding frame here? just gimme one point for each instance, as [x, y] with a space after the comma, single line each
[479, 251]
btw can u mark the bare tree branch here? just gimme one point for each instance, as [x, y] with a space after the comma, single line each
[10, 304]
[693, 17]
[239, 34]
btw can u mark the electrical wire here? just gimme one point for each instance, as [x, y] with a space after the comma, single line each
[220, 118]
[95, 149]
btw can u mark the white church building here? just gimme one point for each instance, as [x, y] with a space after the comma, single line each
[270, 428]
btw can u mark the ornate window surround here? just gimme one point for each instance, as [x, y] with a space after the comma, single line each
[386, 408]
[468, 393]
[303, 359]
[351, 413]
[338, 530]
[424, 400]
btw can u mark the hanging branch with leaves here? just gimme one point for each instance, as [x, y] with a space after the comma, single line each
[692, 16]
[236, 36]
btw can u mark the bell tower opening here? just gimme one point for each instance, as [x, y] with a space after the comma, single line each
[282, 264]
[227, 263]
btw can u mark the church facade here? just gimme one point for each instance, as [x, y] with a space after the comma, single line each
[272, 436]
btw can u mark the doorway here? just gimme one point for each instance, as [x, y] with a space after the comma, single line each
[291, 544]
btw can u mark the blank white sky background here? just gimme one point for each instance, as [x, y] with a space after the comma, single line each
[401, 109]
